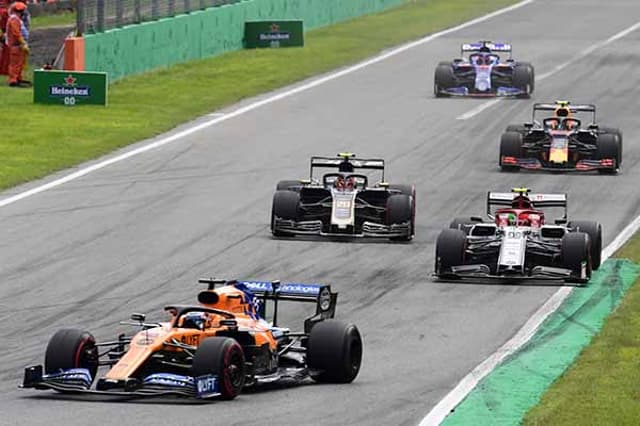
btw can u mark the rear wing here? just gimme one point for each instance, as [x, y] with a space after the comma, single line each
[538, 200]
[347, 159]
[494, 47]
[588, 108]
[275, 291]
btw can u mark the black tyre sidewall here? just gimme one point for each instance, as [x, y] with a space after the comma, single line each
[214, 356]
[594, 230]
[510, 146]
[450, 250]
[574, 251]
[334, 352]
[71, 348]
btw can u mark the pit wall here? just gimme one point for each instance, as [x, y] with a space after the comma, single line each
[138, 48]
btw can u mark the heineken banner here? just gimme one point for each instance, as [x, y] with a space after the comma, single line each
[273, 34]
[69, 87]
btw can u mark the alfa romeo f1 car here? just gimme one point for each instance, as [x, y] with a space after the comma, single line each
[561, 142]
[483, 73]
[211, 349]
[344, 203]
[518, 243]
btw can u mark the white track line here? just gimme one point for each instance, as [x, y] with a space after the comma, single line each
[469, 382]
[477, 110]
[255, 105]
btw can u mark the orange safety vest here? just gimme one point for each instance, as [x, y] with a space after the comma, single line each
[14, 31]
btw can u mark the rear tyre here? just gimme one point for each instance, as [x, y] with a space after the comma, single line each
[334, 352]
[401, 209]
[510, 146]
[524, 78]
[609, 147]
[443, 79]
[288, 185]
[71, 348]
[575, 256]
[286, 205]
[594, 230]
[223, 357]
[450, 251]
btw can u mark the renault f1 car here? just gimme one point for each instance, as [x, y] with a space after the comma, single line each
[344, 202]
[483, 73]
[211, 349]
[518, 243]
[560, 141]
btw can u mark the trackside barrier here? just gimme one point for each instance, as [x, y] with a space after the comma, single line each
[138, 48]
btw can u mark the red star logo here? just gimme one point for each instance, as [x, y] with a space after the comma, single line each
[275, 28]
[70, 80]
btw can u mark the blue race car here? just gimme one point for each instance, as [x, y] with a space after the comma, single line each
[483, 73]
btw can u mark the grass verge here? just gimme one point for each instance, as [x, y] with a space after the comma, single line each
[44, 138]
[56, 20]
[602, 386]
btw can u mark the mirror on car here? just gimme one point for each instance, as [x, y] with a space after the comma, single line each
[138, 317]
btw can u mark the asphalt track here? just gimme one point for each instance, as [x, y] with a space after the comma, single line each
[136, 235]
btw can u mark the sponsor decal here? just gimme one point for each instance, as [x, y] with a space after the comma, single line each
[275, 34]
[170, 380]
[69, 88]
[207, 386]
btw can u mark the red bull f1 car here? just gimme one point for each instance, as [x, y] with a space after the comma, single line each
[484, 73]
[518, 242]
[556, 139]
[211, 349]
[346, 202]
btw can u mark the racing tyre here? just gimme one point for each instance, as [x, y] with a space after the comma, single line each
[524, 78]
[288, 185]
[519, 128]
[609, 147]
[450, 250]
[334, 352]
[223, 357]
[443, 79]
[575, 256]
[401, 209]
[404, 189]
[463, 223]
[285, 206]
[71, 348]
[510, 146]
[594, 230]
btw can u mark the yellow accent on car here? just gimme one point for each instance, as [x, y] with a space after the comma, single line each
[521, 190]
[346, 155]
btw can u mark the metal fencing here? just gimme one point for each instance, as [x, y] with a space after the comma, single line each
[96, 16]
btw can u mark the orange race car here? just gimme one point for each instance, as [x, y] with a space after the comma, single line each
[212, 349]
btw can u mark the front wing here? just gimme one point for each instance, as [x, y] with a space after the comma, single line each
[580, 166]
[369, 229]
[79, 380]
[483, 271]
[501, 91]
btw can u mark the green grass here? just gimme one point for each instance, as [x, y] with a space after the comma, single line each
[603, 386]
[59, 19]
[50, 138]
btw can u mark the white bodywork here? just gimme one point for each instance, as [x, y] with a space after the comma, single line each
[513, 248]
[343, 209]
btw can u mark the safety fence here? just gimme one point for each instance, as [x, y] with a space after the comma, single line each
[96, 16]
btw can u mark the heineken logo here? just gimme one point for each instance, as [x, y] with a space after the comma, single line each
[274, 34]
[69, 88]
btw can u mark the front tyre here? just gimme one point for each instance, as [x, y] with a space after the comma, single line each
[334, 352]
[510, 146]
[286, 205]
[400, 210]
[71, 348]
[224, 358]
[575, 256]
[450, 251]
[594, 230]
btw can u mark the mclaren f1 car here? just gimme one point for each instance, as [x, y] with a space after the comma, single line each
[518, 242]
[483, 73]
[344, 202]
[211, 349]
[557, 139]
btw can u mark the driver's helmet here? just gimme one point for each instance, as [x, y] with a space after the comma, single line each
[343, 183]
[196, 320]
[483, 58]
[521, 202]
[506, 219]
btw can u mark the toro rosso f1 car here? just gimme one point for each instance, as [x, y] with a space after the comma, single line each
[561, 142]
[211, 349]
[518, 243]
[344, 202]
[483, 73]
